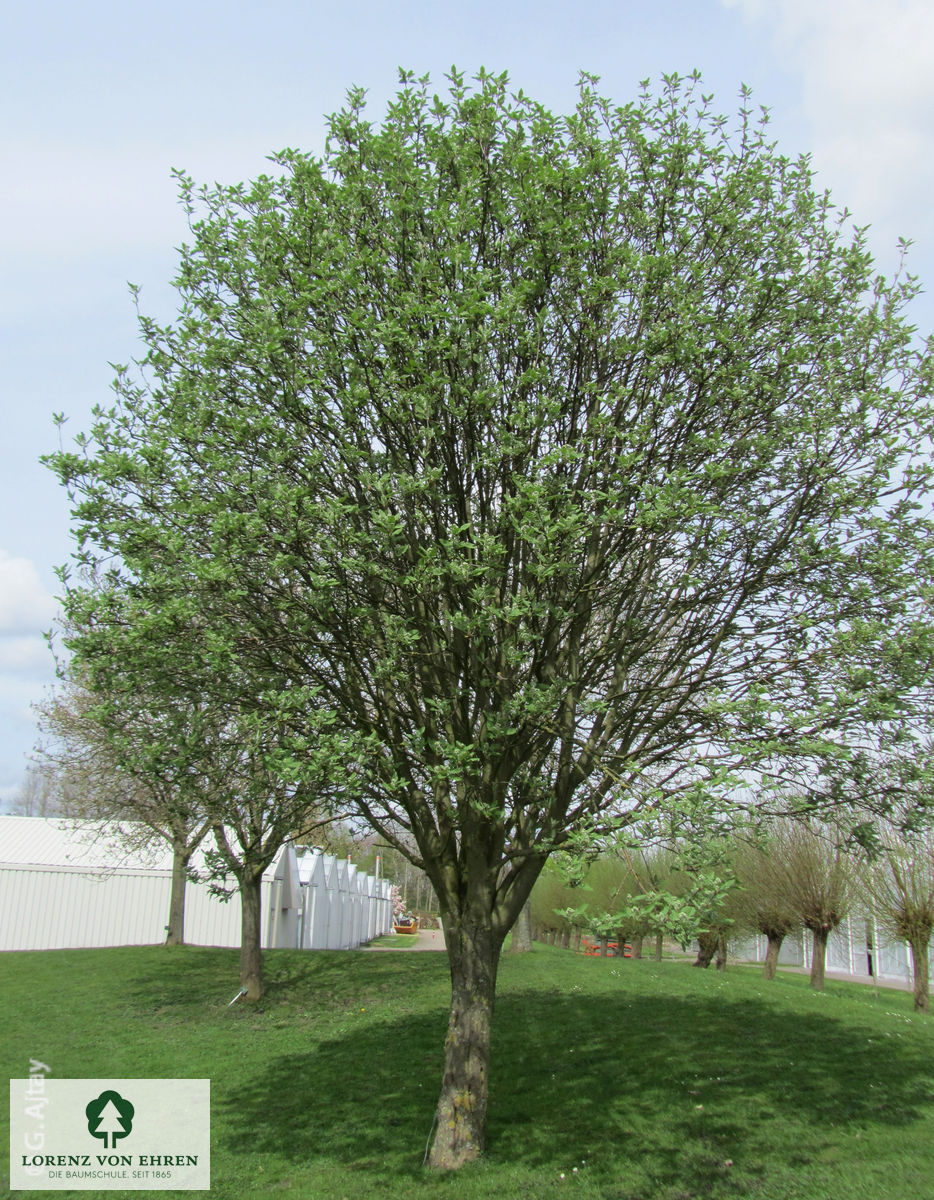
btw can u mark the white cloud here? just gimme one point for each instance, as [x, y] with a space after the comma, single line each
[18, 695]
[62, 200]
[26, 657]
[25, 605]
[868, 96]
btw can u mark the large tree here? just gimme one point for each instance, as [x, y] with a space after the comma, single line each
[543, 452]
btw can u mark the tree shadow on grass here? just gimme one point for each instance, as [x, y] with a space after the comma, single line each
[188, 977]
[685, 1086]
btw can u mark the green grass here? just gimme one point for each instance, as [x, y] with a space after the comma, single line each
[648, 1078]
[395, 941]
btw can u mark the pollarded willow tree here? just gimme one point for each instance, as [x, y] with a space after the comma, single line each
[544, 452]
[899, 886]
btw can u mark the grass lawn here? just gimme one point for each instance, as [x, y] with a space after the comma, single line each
[611, 1078]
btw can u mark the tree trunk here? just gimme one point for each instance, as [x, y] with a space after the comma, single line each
[175, 930]
[565, 939]
[637, 945]
[706, 948]
[818, 958]
[659, 946]
[919, 969]
[576, 939]
[604, 947]
[251, 954]
[771, 955]
[460, 1120]
[522, 931]
[721, 950]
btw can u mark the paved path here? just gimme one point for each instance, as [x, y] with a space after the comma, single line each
[425, 939]
[900, 985]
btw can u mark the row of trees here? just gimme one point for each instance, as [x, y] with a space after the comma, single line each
[792, 874]
[504, 475]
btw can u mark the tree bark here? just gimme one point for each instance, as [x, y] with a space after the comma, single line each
[659, 946]
[919, 970]
[771, 955]
[251, 954]
[522, 931]
[460, 1119]
[706, 948]
[721, 950]
[819, 958]
[637, 945]
[576, 939]
[175, 931]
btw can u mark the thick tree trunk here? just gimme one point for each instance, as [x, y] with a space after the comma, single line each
[659, 946]
[565, 939]
[576, 939]
[819, 958]
[721, 950]
[460, 1121]
[637, 945]
[706, 948]
[175, 930]
[522, 931]
[771, 955]
[919, 968]
[251, 954]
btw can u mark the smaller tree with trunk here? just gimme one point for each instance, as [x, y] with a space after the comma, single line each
[109, 754]
[763, 901]
[817, 878]
[899, 885]
[185, 757]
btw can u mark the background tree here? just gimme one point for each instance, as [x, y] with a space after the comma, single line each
[521, 942]
[763, 900]
[553, 896]
[121, 761]
[540, 455]
[195, 757]
[41, 794]
[819, 878]
[655, 882]
[898, 884]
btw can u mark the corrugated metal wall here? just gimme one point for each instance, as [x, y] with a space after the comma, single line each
[69, 884]
[51, 908]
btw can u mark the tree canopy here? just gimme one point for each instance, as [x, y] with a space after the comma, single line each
[527, 465]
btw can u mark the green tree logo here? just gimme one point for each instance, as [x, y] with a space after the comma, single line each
[109, 1116]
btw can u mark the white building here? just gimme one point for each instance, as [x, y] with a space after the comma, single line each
[858, 947]
[65, 884]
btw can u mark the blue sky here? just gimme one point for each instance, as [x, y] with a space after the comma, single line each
[99, 101]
